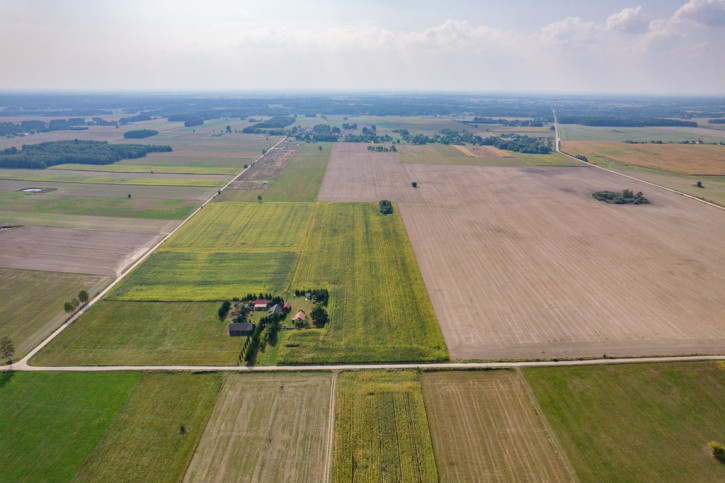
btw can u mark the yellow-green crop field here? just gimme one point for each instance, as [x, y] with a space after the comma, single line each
[158, 181]
[245, 226]
[194, 276]
[379, 307]
[381, 429]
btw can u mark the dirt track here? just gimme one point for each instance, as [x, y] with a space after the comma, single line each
[521, 262]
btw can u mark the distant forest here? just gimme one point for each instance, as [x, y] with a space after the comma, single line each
[43, 155]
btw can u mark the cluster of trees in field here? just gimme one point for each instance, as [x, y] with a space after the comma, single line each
[625, 197]
[73, 124]
[623, 121]
[716, 121]
[140, 133]
[507, 122]
[42, 155]
[277, 122]
[368, 135]
[383, 149]
[385, 207]
[319, 295]
[137, 118]
[265, 332]
[349, 126]
[71, 305]
[520, 144]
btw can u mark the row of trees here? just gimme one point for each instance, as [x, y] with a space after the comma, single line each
[277, 122]
[625, 197]
[71, 305]
[507, 122]
[140, 133]
[43, 155]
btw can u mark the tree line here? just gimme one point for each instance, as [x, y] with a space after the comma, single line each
[43, 155]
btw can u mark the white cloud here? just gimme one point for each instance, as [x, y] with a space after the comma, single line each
[571, 29]
[629, 20]
[705, 12]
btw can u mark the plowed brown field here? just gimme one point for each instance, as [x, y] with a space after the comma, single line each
[484, 428]
[67, 250]
[521, 262]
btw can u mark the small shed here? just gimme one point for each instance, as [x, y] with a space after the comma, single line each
[299, 316]
[308, 295]
[287, 307]
[276, 309]
[260, 304]
[236, 329]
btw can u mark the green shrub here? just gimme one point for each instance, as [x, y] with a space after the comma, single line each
[718, 450]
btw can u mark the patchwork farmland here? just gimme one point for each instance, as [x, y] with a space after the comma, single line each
[524, 263]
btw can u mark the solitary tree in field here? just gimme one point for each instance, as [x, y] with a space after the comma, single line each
[129, 196]
[229, 129]
[83, 296]
[68, 307]
[7, 349]
[259, 198]
[319, 147]
[699, 184]
[415, 184]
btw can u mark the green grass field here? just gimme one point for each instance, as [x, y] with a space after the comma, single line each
[300, 180]
[206, 276]
[120, 167]
[55, 177]
[33, 301]
[381, 429]
[154, 333]
[245, 226]
[636, 422]
[379, 307]
[121, 206]
[145, 441]
[574, 132]
[50, 421]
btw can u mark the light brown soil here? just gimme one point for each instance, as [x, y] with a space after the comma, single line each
[484, 428]
[522, 262]
[484, 152]
[267, 168]
[266, 427]
[696, 159]
[68, 250]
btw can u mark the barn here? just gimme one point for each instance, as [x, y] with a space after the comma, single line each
[237, 329]
[260, 304]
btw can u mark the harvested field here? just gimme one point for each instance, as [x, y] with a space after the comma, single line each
[690, 159]
[245, 226]
[67, 250]
[381, 429]
[145, 442]
[33, 301]
[91, 177]
[524, 263]
[485, 428]
[50, 421]
[108, 223]
[266, 427]
[151, 333]
[608, 419]
[356, 174]
[270, 166]
[379, 309]
[484, 151]
[206, 276]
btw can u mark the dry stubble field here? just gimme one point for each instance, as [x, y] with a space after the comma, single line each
[484, 427]
[521, 262]
[266, 427]
[93, 252]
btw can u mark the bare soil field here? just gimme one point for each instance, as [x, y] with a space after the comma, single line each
[484, 427]
[522, 262]
[356, 174]
[266, 427]
[692, 159]
[484, 151]
[67, 250]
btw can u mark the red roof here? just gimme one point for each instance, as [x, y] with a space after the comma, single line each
[299, 315]
[286, 306]
[261, 302]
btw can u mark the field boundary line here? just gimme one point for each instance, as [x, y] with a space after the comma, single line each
[558, 449]
[330, 450]
[22, 363]
[558, 150]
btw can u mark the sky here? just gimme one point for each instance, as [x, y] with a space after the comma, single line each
[568, 46]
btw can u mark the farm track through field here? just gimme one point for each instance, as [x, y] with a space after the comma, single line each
[24, 361]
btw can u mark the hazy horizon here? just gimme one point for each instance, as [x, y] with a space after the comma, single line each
[658, 48]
